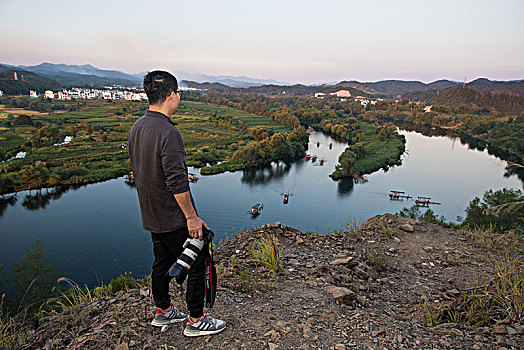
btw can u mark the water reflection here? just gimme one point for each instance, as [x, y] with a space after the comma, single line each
[6, 201]
[258, 176]
[471, 142]
[40, 199]
[345, 186]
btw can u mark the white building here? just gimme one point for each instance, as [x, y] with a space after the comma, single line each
[33, 94]
[49, 94]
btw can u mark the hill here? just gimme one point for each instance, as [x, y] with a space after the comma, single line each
[414, 286]
[486, 85]
[75, 79]
[454, 97]
[26, 81]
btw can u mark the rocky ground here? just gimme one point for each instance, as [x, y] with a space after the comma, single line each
[375, 287]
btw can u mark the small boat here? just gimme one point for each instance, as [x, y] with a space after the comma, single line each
[192, 177]
[286, 197]
[313, 158]
[321, 161]
[425, 201]
[318, 144]
[397, 195]
[255, 210]
[310, 130]
[330, 145]
[308, 156]
[130, 178]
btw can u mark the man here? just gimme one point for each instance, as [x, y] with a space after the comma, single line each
[158, 162]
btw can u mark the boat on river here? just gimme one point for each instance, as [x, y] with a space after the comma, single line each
[424, 201]
[192, 177]
[130, 178]
[286, 197]
[321, 161]
[308, 156]
[255, 210]
[313, 158]
[330, 145]
[398, 195]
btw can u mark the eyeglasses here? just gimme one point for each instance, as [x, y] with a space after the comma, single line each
[179, 92]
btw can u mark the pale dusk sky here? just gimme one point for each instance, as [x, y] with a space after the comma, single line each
[291, 41]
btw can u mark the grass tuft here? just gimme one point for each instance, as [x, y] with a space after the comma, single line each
[267, 253]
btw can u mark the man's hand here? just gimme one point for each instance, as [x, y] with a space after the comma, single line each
[194, 226]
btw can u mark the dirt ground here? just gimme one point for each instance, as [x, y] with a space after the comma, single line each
[367, 289]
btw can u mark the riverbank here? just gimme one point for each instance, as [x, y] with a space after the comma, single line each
[391, 282]
[98, 149]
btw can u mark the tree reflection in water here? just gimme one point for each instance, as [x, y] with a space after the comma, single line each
[6, 201]
[257, 176]
[345, 186]
[40, 200]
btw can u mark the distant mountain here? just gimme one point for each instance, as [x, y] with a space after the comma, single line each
[233, 81]
[25, 81]
[86, 69]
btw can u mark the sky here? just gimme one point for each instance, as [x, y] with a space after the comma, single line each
[287, 40]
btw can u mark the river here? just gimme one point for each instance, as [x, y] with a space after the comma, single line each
[93, 233]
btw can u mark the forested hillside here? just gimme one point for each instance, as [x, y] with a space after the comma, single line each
[454, 97]
[25, 81]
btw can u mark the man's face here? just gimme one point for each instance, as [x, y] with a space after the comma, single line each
[174, 100]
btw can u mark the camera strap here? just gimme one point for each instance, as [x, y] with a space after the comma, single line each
[210, 279]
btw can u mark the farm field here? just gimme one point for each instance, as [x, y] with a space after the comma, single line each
[98, 150]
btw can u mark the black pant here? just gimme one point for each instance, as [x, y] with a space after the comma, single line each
[167, 247]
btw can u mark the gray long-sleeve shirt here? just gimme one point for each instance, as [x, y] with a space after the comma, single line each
[158, 162]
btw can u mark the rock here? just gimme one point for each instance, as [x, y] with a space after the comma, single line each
[122, 346]
[340, 347]
[453, 292]
[519, 328]
[457, 332]
[499, 329]
[275, 225]
[396, 240]
[511, 330]
[361, 273]
[272, 334]
[341, 261]
[341, 294]
[451, 262]
[428, 248]
[299, 240]
[361, 300]
[272, 346]
[407, 228]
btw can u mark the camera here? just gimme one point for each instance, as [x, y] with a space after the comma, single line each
[192, 247]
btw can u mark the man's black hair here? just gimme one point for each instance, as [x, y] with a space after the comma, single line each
[158, 85]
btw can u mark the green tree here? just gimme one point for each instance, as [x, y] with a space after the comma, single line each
[478, 211]
[34, 176]
[33, 278]
[22, 120]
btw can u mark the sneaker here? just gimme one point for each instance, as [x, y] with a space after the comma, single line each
[165, 318]
[205, 326]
